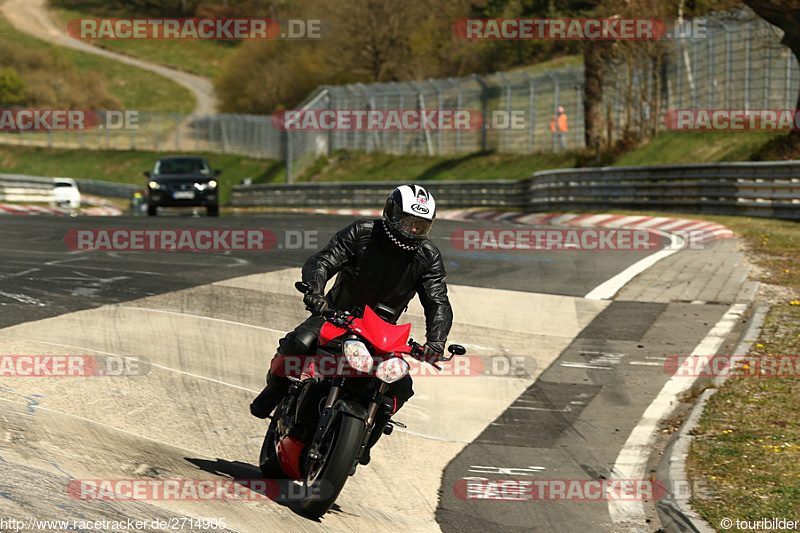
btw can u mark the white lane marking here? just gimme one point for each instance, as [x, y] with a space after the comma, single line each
[17, 274]
[154, 310]
[585, 365]
[429, 437]
[645, 363]
[59, 263]
[551, 409]
[22, 298]
[631, 462]
[607, 289]
[604, 362]
[505, 471]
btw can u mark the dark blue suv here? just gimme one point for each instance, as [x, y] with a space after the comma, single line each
[182, 181]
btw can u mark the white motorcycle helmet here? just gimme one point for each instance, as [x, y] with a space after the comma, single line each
[408, 215]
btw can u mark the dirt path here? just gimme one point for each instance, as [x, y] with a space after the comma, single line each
[32, 17]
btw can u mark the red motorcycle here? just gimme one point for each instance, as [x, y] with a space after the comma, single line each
[320, 431]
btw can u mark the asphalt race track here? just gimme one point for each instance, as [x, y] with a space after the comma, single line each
[205, 324]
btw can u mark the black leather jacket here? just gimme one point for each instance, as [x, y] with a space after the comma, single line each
[373, 270]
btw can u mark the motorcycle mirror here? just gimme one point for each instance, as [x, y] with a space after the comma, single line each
[456, 349]
[303, 287]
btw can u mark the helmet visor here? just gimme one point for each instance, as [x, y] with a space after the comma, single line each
[409, 225]
[414, 225]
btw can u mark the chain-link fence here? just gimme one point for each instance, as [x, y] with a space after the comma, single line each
[742, 65]
[249, 135]
[502, 99]
[738, 64]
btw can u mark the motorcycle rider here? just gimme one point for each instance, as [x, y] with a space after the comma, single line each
[381, 263]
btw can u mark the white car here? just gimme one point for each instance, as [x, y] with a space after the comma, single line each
[67, 193]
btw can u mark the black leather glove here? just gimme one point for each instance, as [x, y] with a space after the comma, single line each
[316, 303]
[432, 351]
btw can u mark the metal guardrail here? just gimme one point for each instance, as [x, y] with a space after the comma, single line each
[454, 194]
[761, 189]
[23, 188]
[108, 189]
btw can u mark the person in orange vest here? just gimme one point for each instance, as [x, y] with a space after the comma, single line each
[559, 128]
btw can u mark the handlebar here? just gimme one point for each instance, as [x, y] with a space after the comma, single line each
[417, 351]
[344, 319]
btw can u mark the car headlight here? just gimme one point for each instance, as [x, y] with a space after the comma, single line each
[392, 369]
[153, 184]
[203, 186]
[358, 356]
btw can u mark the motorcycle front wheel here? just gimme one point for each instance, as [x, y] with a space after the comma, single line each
[326, 477]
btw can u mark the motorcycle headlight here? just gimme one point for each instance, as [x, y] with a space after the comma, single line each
[358, 356]
[392, 369]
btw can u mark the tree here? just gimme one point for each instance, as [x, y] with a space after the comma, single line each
[785, 14]
[625, 57]
[371, 36]
[12, 88]
[595, 55]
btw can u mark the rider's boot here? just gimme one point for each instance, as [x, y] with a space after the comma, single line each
[266, 402]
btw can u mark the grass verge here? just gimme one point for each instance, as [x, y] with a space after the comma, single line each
[670, 147]
[201, 57]
[747, 445]
[136, 88]
[681, 147]
[355, 166]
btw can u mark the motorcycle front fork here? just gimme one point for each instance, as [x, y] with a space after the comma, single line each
[372, 410]
[333, 395]
[373, 407]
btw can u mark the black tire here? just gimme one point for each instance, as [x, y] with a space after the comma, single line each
[347, 436]
[212, 210]
[268, 461]
[152, 210]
